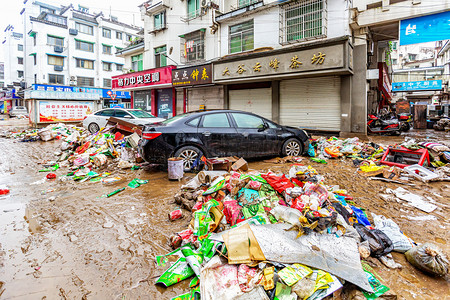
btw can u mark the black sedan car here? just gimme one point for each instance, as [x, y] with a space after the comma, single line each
[219, 133]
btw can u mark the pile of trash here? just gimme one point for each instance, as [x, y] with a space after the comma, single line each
[442, 125]
[50, 132]
[281, 236]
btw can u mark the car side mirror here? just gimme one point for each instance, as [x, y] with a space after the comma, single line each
[264, 127]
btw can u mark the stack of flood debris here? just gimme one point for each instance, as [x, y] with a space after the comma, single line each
[442, 125]
[282, 236]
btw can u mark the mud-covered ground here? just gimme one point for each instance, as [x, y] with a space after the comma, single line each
[61, 240]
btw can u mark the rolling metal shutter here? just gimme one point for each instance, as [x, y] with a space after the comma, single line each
[257, 101]
[311, 103]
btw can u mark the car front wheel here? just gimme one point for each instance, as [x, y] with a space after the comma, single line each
[292, 147]
[93, 128]
[190, 155]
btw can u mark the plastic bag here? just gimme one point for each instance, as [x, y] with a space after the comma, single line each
[378, 288]
[379, 243]
[400, 241]
[279, 183]
[429, 258]
[361, 216]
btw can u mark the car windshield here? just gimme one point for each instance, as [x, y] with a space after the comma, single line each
[141, 114]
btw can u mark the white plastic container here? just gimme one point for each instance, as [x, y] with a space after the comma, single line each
[175, 168]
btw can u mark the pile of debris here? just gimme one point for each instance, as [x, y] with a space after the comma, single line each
[281, 236]
[442, 125]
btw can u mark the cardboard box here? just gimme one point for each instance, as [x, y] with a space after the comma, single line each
[241, 165]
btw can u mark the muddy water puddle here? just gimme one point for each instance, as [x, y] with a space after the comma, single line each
[63, 240]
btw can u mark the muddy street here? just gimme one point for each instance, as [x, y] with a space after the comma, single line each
[63, 240]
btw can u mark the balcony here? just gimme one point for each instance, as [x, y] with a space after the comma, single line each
[194, 15]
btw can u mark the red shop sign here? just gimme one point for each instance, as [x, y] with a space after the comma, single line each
[151, 77]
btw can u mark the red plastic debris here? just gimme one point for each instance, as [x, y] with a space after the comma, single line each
[4, 191]
[51, 176]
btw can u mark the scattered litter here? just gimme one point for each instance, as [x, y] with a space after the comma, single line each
[413, 199]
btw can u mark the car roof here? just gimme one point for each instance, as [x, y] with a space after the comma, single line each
[207, 111]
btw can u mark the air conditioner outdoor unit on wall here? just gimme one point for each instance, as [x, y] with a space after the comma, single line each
[73, 80]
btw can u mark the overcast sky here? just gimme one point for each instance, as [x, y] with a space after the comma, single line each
[126, 10]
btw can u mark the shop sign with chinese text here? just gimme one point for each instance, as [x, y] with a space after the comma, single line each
[429, 85]
[64, 111]
[272, 65]
[151, 77]
[192, 75]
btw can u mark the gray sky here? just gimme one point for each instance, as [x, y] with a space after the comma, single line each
[126, 10]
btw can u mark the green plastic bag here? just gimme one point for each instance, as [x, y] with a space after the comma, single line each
[378, 288]
[137, 183]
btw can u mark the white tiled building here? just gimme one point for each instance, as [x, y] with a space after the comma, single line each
[70, 46]
[14, 54]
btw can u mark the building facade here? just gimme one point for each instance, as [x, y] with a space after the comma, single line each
[72, 50]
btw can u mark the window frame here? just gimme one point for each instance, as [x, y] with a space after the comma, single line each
[79, 43]
[119, 67]
[56, 77]
[162, 24]
[241, 33]
[297, 30]
[52, 40]
[108, 85]
[117, 35]
[81, 81]
[80, 63]
[79, 26]
[19, 47]
[107, 47]
[198, 43]
[109, 68]
[159, 51]
[139, 60]
[56, 57]
[20, 60]
[194, 11]
[18, 73]
[214, 116]
[246, 116]
[106, 33]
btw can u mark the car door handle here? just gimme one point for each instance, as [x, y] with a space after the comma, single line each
[206, 133]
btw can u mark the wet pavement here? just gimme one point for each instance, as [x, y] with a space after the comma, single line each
[62, 240]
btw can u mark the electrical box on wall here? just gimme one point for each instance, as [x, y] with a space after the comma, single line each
[202, 107]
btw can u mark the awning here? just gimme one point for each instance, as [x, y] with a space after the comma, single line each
[78, 40]
[55, 36]
[106, 45]
[83, 58]
[52, 54]
[32, 54]
[109, 62]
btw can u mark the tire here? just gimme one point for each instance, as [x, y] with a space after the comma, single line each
[93, 127]
[189, 155]
[292, 147]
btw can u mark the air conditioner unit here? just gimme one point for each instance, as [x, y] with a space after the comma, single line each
[73, 31]
[58, 49]
[58, 68]
[73, 80]
[204, 3]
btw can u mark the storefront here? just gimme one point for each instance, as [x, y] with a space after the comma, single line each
[194, 85]
[8, 99]
[116, 99]
[151, 90]
[299, 86]
[51, 104]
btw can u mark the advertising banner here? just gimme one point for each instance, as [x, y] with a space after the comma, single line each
[425, 29]
[64, 111]
[151, 77]
[192, 75]
[409, 86]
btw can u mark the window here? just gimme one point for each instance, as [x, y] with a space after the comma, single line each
[194, 122]
[107, 66]
[241, 37]
[247, 121]
[302, 20]
[20, 60]
[118, 35]
[122, 114]
[160, 57]
[34, 59]
[160, 20]
[129, 37]
[106, 113]
[20, 47]
[47, 10]
[85, 64]
[55, 41]
[83, 28]
[194, 9]
[137, 63]
[193, 46]
[106, 33]
[244, 3]
[215, 120]
[35, 78]
[107, 49]
[56, 19]
[394, 61]
[19, 74]
[55, 79]
[85, 46]
[119, 67]
[412, 56]
[55, 60]
[85, 81]
[106, 82]
[34, 40]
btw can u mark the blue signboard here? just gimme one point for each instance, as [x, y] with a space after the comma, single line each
[425, 29]
[76, 89]
[119, 94]
[117, 105]
[430, 85]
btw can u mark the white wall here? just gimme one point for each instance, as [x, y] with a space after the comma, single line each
[12, 53]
